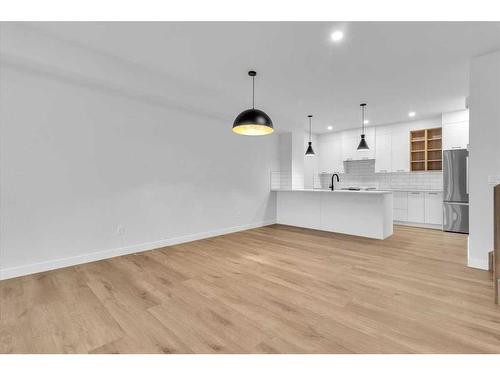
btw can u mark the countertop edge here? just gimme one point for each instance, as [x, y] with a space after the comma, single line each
[386, 190]
[371, 192]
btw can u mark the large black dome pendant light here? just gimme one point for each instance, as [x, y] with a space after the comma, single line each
[310, 150]
[362, 144]
[253, 121]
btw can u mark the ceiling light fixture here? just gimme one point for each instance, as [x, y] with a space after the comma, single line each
[366, 122]
[310, 150]
[362, 144]
[337, 36]
[412, 114]
[330, 127]
[253, 121]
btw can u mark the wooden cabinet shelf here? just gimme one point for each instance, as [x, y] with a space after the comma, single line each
[426, 150]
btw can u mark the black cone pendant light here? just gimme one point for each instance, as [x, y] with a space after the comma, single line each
[309, 150]
[362, 144]
[253, 121]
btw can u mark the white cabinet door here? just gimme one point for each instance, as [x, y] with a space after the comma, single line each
[383, 149]
[400, 200]
[338, 160]
[400, 215]
[455, 116]
[400, 205]
[349, 146]
[434, 208]
[455, 135]
[330, 155]
[416, 207]
[400, 151]
[326, 155]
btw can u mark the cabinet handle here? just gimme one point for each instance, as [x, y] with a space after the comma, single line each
[400, 170]
[415, 192]
[456, 147]
[432, 193]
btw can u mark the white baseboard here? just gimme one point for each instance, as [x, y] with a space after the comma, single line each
[481, 264]
[8, 273]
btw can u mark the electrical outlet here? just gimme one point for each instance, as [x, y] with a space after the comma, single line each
[120, 230]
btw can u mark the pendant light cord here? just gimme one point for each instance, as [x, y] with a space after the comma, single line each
[309, 129]
[363, 118]
[253, 92]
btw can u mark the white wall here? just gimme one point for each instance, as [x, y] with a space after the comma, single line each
[91, 169]
[291, 160]
[285, 152]
[484, 139]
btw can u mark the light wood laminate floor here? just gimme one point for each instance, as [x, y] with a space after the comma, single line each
[275, 289]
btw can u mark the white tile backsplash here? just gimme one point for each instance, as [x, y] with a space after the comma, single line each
[362, 173]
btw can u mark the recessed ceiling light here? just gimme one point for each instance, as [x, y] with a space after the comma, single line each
[412, 114]
[330, 127]
[366, 122]
[337, 36]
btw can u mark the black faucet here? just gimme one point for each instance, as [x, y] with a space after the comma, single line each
[338, 180]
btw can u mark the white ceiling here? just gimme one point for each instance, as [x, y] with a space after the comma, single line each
[394, 66]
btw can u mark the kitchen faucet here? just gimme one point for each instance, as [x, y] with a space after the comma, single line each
[338, 180]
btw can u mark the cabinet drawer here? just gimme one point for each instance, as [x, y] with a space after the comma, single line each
[400, 200]
[400, 215]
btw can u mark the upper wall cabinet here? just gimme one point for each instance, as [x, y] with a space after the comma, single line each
[389, 145]
[349, 148]
[338, 160]
[400, 151]
[330, 155]
[455, 135]
[455, 130]
[456, 116]
[383, 152]
[325, 154]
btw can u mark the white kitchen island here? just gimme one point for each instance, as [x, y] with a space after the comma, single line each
[359, 213]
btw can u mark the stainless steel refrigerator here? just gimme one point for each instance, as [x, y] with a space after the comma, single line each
[456, 191]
